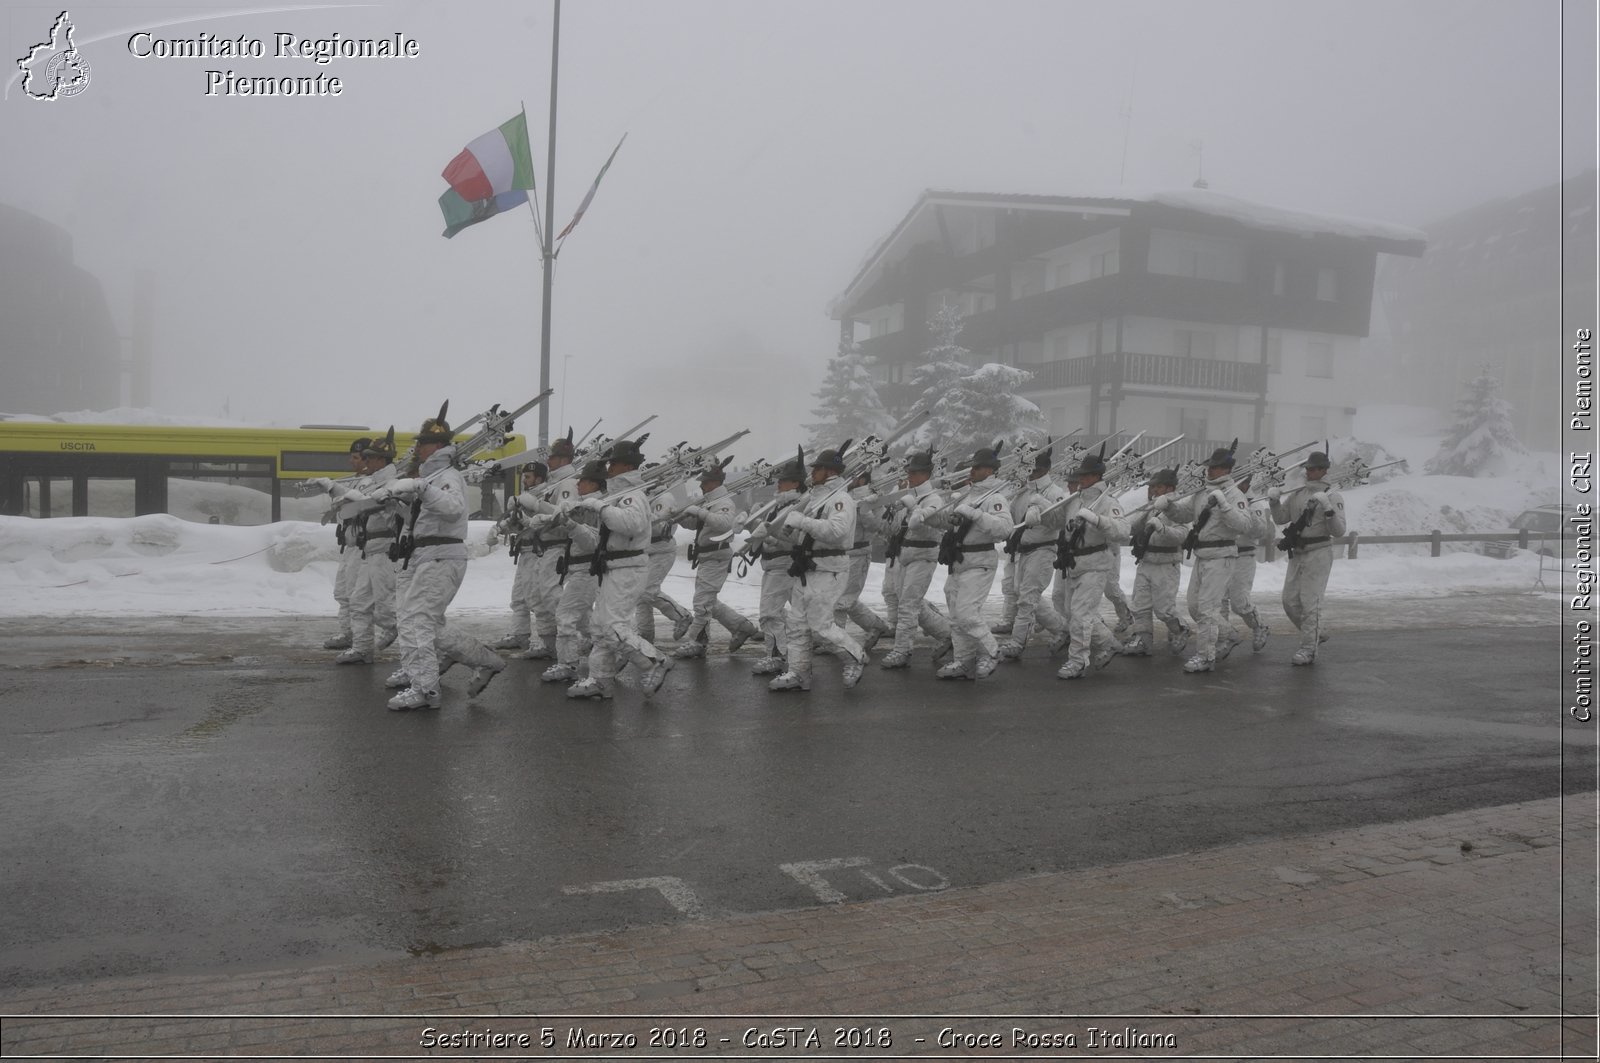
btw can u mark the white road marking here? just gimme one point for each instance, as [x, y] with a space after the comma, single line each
[809, 874]
[676, 891]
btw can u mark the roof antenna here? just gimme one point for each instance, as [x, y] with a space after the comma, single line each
[1199, 147]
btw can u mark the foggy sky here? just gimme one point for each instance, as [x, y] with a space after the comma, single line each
[301, 275]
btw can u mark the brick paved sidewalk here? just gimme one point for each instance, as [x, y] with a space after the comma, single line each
[1457, 915]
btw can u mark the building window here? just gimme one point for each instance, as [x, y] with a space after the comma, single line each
[1104, 264]
[1190, 421]
[1181, 254]
[1280, 278]
[897, 372]
[1274, 354]
[1319, 359]
[1061, 275]
[1327, 286]
[1188, 343]
[1313, 426]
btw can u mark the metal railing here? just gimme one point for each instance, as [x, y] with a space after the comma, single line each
[1435, 539]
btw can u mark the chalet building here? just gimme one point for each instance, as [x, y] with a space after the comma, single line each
[1173, 312]
[1497, 283]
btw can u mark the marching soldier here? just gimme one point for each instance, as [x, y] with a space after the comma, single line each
[913, 555]
[1114, 595]
[1032, 564]
[1158, 555]
[661, 553]
[1094, 523]
[1314, 514]
[1059, 597]
[773, 547]
[1217, 516]
[850, 606]
[344, 580]
[1262, 531]
[540, 506]
[711, 517]
[825, 524]
[372, 611]
[526, 549]
[979, 522]
[437, 561]
[575, 583]
[620, 571]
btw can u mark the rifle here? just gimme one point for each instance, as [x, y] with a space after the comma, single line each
[1109, 475]
[1353, 475]
[542, 453]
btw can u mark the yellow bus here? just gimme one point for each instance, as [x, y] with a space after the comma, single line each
[210, 475]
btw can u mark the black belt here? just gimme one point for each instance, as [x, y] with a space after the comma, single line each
[828, 553]
[619, 554]
[1082, 550]
[380, 535]
[861, 545]
[705, 549]
[1243, 550]
[548, 543]
[435, 540]
[1314, 539]
[1028, 548]
[922, 544]
[1206, 544]
[1161, 549]
[977, 546]
[767, 555]
[579, 560]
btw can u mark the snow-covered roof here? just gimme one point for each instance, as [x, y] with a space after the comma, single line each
[1394, 239]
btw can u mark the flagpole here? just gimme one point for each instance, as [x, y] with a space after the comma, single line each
[549, 233]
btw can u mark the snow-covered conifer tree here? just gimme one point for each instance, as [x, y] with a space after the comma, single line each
[1482, 438]
[848, 406]
[969, 408]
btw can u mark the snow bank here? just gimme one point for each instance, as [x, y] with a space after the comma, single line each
[163, 566]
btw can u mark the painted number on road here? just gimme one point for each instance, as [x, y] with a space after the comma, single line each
[825, 877]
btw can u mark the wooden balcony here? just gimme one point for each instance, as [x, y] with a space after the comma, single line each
[1127, 368]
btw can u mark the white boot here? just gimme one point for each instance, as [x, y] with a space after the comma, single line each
[412, 698]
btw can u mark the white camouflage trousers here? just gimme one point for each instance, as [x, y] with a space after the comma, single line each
[424, 635]
[709, 576]
[905, 597]
[523, 596]
[344, 584]
[966, 589]
[811, 616]
[611, 624]
[573, 611]
[546, 593]
[850, 606]
[777, 589]
[1240, 584]
[1085, 592]
[1034, 570]
[1155, 597]
[1303, 587]
[1114, 595]
[372, 601]
[660, 557]
[1208, 588]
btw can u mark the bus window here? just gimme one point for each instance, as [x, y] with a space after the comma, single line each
[111, 497]
[220, 492]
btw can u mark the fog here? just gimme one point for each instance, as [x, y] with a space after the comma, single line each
[295, 242]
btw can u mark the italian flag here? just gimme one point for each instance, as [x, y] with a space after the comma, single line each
[493, 164]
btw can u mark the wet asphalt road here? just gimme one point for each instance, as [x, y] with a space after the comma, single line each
[204, 795]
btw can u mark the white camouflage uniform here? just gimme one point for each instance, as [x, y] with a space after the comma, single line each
[436, 571]
[1262, 531]
[906, 580]
[661, 554]
[625, 513]
[546, 589]
[967, 586]
[772, 545]
[1157, 573]
[869, 522]
[1033, 563]
[1213, 558]
[1093, 564]
[372, 599]
[713, 560]
[831, 522]
[1312, 562]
